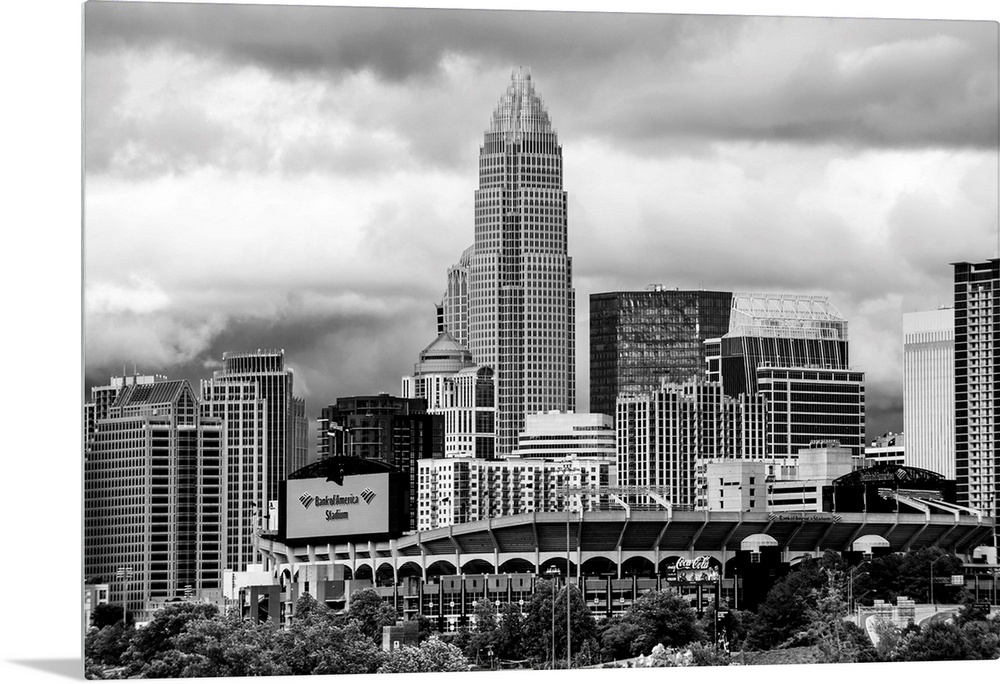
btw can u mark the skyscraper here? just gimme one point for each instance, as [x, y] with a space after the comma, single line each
[512, 292]
[793, 349]
[285, 429]
[154, 486]
[929, 390]
[977, 379]
[238, 402]
[779, 330]
[638, 339]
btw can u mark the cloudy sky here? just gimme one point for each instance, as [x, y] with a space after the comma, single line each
[302, 177]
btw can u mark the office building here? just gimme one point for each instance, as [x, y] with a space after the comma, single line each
[886, 449]
[286, 428]
[559, 434]
[154, 490]
[510, 298]
[818, 466]
[793, 349]
[638, 339]
[929, 390]
[977, 379]
[778, 330]
[460, 391]
[103, 396]
[394, 430]
[661, 435]
[805, 405]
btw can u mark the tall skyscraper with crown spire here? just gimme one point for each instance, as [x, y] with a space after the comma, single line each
[510, 299]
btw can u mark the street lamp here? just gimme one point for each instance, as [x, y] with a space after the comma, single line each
[124, 573]
[851, 575]
[551, 573]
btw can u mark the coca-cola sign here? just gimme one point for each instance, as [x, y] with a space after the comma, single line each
[694, 570]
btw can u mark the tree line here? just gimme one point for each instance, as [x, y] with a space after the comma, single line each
[805, 608]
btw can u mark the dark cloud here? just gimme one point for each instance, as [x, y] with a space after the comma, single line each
[396, 44]
[331, 355]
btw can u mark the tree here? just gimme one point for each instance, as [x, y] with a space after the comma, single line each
[158, 636]
[510, 633]
[425, 627]
[106, 614]
[663, 617]
[107, 646]
[370, 613]
[538, 624]
[433, 655]
[307, 606]
[972, 640]
[617, 637]
[827, 627]
[484, 635]
[973, 612]
[784, 613]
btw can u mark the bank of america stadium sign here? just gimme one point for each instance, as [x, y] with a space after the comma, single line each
[318, 507]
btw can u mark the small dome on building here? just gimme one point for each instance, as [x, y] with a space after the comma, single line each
[757, 541]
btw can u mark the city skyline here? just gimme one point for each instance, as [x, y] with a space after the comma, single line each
[266, 177]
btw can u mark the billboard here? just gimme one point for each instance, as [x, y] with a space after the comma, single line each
[320, 507]
[703, 569]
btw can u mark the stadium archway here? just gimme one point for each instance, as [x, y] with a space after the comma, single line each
[598, 566]
[638, 566]
[441, 567]
[477, 566]
[517, 566]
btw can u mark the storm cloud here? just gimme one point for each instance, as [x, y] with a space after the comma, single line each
[302, 177]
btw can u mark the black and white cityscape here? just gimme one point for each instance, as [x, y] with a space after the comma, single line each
[447, 340]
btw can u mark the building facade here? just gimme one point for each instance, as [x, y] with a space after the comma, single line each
[394, 430]
[804, 405]
[977, 379]
[459, 390]
[458, 490]
[560, 434]
[237, 401]
[154, 491]
[660, 436]
[286, 430]
[887, 449]
[778, 330]
[103, 396]
[929, 390]
[512, 291]
[638, 339]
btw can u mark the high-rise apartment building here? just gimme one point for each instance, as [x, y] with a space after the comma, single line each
[510, 299]
[639, 339]
[458, 490]
[285, 427]
[661, 435]
[154, 491]
[977, 384]
[464, 393]
[929, 390]
[244, 412]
